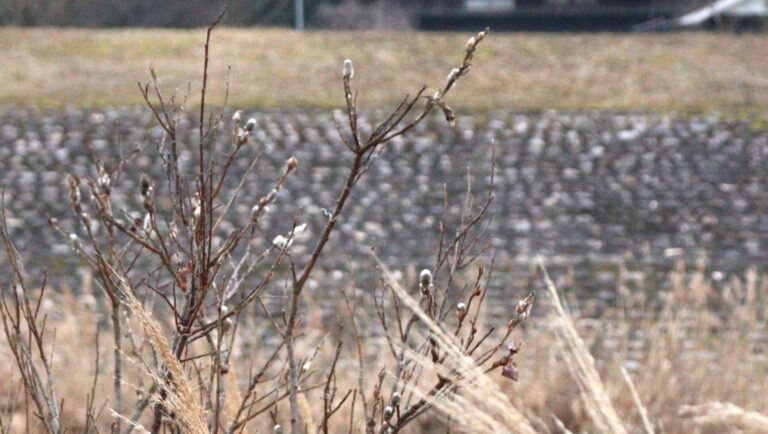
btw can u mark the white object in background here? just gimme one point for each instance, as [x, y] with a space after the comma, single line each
[725, 7]
[489, 5]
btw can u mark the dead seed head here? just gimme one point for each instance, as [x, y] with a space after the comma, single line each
[510, 370]
[237, 117]
[449, 115]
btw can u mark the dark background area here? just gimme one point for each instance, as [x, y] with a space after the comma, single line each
[176, 13]
[525, 15]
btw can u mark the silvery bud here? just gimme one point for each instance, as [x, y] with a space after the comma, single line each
[482, 34]
[425, 277]
[255, 211]
[147, 225]
[388, 412]
[521, 307]
[74, 241]
[103, 181]
[277, 429]
[348, 71]
[461, 310]
[250, 125]
[226, 325]
[425, 282]
[471, 44]
[395, 399]
[453, 75]
[147, 192]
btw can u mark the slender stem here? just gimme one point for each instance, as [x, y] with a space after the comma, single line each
[299, 283]
[117, 381]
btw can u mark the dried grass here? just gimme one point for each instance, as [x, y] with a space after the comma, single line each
[582, 366]
[57, 67]
[725, 416]
[181, 400]
[682, 365]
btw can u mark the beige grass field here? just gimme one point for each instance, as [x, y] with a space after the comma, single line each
[686, 71]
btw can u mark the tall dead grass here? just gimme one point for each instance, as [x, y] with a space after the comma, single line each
[719, 415]
[696, 364]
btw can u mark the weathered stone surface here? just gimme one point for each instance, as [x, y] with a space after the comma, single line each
[568, 184]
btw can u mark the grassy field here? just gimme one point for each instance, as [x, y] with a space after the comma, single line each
[278, 68]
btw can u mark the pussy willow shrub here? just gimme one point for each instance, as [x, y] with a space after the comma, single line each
[177, 263]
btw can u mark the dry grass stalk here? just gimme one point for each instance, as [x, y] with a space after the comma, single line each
[647, 425]
[181, 400]
[725, 415]
[582, 365]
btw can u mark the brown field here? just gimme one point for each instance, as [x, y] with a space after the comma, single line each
[685, 71]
